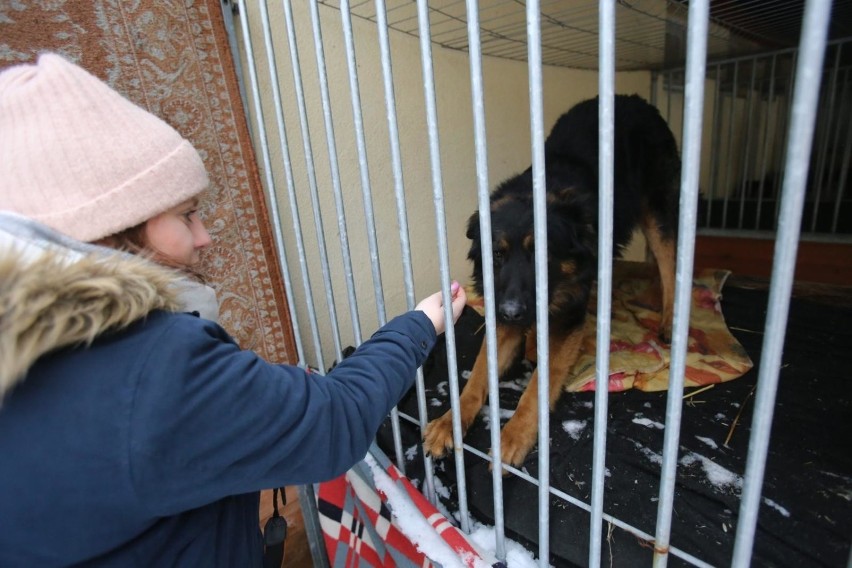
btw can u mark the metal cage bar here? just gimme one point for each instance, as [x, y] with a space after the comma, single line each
[825, 134]
[606, 182]
[803, 117]
[715, 144]
[839, 128]
[844, 173]
[363, 168]
[785, 127]
[343, 234]
[483, 194]
[312, 180]
[764, 152]
[749, 109]
[726, 188]
[402, 220]
[693, 109]
[541, 289]
[438, 197]
[263, 142]
[369, 217]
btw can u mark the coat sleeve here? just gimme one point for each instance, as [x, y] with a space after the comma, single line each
[210, 420]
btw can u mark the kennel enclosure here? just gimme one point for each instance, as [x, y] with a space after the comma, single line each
[381, 126]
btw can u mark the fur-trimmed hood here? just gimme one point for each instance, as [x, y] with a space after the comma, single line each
[56, 292]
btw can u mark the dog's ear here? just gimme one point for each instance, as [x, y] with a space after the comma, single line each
[570, 221]
[565, 195]
[578, 206]
[589, 238]
[473, 226]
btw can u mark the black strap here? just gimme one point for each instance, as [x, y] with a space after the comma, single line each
[274, 533]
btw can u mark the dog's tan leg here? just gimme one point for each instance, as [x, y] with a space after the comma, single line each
[438, 437]
[664, 252]
[520, 432]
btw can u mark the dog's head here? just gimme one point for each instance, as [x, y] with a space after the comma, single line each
[571, 246]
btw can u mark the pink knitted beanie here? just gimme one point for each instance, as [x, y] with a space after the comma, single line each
[78, 157]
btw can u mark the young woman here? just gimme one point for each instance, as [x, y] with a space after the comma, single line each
[133, 433]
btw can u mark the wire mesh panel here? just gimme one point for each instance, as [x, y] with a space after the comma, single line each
[395, 166]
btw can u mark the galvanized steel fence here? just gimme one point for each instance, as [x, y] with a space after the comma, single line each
[680, 94]
[749, 102]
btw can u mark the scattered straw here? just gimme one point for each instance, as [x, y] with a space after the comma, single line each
[745, 330]
[697, 391]
[737, 417]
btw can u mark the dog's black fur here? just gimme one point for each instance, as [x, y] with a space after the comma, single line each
[646, 177]
[646, 181]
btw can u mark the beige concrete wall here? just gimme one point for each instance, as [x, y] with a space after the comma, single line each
[508, 145]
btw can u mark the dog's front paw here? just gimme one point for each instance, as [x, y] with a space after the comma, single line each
[516, 442]
[438, 437]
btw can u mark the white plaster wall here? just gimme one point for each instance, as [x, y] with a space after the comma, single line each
[508, 145]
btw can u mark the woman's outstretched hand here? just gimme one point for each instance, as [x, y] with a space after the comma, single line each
[433, 306]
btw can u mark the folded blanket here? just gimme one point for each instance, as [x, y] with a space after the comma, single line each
[637, 357]
[373, 516]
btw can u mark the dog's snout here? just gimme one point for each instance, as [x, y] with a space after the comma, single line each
[512, 311]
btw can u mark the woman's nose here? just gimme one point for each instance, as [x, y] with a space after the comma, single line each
[202, 237]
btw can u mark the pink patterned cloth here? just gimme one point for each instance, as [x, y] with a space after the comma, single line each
[638, 359]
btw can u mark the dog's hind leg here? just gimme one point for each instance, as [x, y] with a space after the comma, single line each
[520, 432]
[438, 437]
[663, 248]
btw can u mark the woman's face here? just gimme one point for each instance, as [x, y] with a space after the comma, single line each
[178, 234]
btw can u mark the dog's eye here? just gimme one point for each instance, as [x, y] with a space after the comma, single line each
[498, 256]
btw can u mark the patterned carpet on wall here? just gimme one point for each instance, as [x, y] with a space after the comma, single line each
[172, 57]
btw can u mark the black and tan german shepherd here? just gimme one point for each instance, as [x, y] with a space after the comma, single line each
[647, 179]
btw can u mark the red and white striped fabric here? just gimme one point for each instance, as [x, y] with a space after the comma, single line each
[362, 527]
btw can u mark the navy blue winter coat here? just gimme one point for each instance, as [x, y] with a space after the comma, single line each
[148, 447]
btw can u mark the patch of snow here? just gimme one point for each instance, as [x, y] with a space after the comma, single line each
[649, 453]
[466, 374]
[709, 441]
[411, 453]
[516, 555]
[518, 385]
[411, 522]
[485, 414]
[442, 387]
[435, 402]
[441, 490]
[716, 474]
[838, 476]
[574, 427]
[776, 506]
[648, 423]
